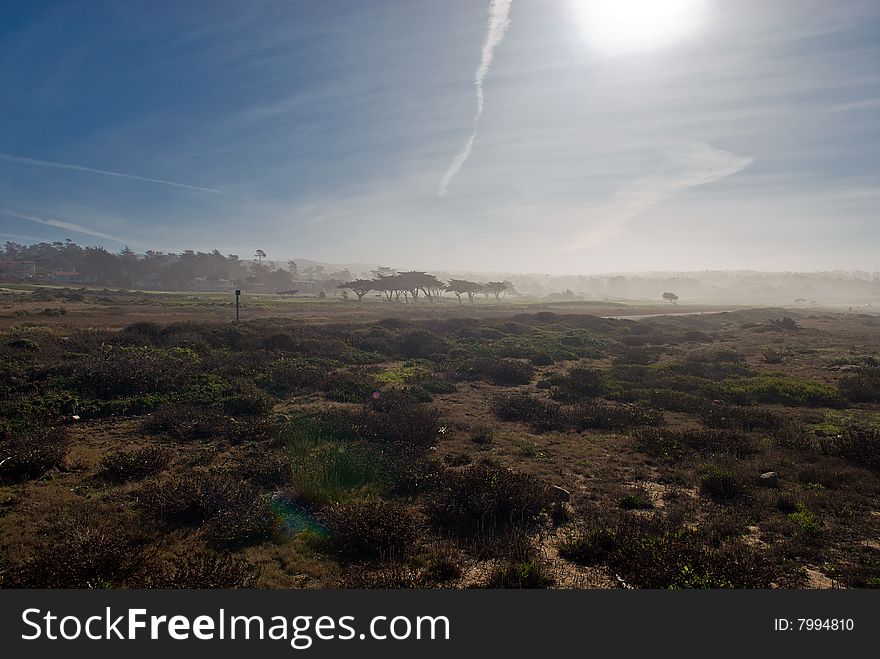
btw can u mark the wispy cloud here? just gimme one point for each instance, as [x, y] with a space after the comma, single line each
[8, 157]
[499, 20]
[691, 166]
[69, 226]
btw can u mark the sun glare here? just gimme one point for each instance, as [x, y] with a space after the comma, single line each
[627, 26]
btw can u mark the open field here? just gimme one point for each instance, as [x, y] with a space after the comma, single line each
[149, 441]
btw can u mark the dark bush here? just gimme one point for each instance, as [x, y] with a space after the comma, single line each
[32, 453]
[721, 485]
[122, 466]
[863, 386]
[486, 498]
[543, 415]
[734, 417]
[245, 398]
[204, 569]
[369, 529]
[233, 512]
[667, 443]
[504, 371]
[604, 416]
[530, 573]
[185, 422]
[507, 371]
[399, 419]
[856, 444]
[580, 383]
[114, 371]
[85, 549]
[417, 343]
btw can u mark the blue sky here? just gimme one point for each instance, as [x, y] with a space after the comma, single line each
[324, 130]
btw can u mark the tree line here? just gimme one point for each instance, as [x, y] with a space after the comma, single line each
[414, 284]
[171, 271]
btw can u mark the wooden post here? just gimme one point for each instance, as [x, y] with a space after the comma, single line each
[237, 295]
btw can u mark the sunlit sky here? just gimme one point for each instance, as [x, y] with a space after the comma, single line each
[712, 134]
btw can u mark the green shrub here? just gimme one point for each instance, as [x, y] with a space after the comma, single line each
[721, 485]
[591, 547]
[531, 573]
[863, 386]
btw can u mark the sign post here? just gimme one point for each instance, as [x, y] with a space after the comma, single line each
[237, 295]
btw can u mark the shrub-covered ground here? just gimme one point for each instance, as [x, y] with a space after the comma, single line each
[517, 448]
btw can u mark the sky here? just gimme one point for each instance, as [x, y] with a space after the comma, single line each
[559, 136]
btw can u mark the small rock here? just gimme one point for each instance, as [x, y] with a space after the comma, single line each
[559, 494]
[769, 479]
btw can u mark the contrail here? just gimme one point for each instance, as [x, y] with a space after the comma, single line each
[81, 168]
[69, 226]
[499, 20]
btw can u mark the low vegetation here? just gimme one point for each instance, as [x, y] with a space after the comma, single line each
[438, 449]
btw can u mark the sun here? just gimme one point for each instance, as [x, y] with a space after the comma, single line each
[628, 26]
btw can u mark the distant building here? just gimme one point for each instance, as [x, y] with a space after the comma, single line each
[205, 285]
[304, 287]
[18, 269]
[72, 277]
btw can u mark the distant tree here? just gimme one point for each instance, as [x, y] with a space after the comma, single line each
[463, 287]
[496, 288]
[415, 282]
[670, 297]
[260, 254]
[383, 271]
[293, 269]
[360, 287]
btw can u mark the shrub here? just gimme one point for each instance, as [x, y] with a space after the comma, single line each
[590, 548]
[204, 569]
[667, 443]
[245, 398]
[417, 343]
[721, 485]
[604, 416]
[740, 418]
[779, 390]
[262, 468]
[32, 453]
[85, 549]
[114, 371]
[398, 418]
[530, 573]
[580, 383]
[636, 501]
[234, 512]
[510, 371]
[369, 529]
[863, 386]
[184, 422]
[22, 343]
[657, 554]
[504, 371]
[486, 498]
[121, 466]
[188, 422]
[858, 445]
[543, 415]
